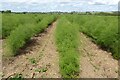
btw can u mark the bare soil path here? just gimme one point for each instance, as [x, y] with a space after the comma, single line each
[39, 59]
[95, 62]
[0, 58]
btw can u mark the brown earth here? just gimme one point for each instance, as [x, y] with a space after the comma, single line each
[38, 60]
[0, 58]
[95, 62]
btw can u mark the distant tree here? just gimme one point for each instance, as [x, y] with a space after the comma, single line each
[8, 11]
[88, 13]
[24, 12]
[72, 12]
[2, 11]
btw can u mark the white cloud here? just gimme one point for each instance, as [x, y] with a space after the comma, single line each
[53, 5]
[105, 2]
[109, 2]
[38, 1]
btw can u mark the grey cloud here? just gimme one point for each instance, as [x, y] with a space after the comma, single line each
[99, 3]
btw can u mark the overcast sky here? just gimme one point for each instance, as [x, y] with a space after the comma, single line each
[59, 5]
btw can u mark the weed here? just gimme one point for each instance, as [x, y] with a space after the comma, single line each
[44, 69]
[17, 77]
[33, 61]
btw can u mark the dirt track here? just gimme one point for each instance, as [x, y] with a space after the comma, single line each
[95, 62]
[0, 58]
[38, 60]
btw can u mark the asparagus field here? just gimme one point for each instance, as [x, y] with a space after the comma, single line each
[53, 45]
